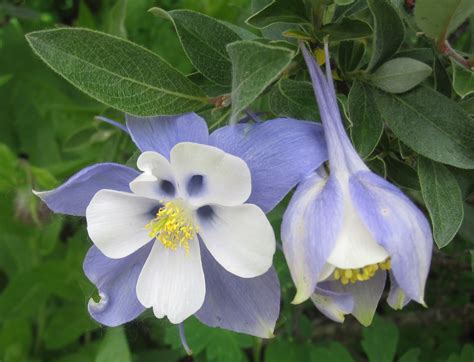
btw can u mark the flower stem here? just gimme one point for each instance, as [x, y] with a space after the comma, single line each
[184, 343]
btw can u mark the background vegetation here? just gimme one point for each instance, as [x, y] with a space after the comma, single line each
[48, 132]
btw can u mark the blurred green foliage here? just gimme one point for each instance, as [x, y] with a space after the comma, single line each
[48, 132]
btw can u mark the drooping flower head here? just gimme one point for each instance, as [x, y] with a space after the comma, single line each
[344, 232]
[187, 234]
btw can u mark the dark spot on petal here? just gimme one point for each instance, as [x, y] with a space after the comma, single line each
[195, 185]
[205, 213]
[155, 210]
[167, 187]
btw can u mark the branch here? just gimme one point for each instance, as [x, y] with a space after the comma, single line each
[445, 48]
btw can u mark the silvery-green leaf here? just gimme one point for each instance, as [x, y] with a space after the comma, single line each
[442, 197]
[389, 31]
[400, 75]
[442, 80]
[463, 80]
[437, 19]
[115, 19]
[431, 124]
[204, 40]
[350, 55]
[278, 11]
[367, 123]
[117, 72]
[424, 55]
[347, 29]
[468, 105]
[254, 67]
[295, 99]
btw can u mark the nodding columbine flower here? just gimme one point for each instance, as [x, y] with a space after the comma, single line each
[188, 233]
[344, 232]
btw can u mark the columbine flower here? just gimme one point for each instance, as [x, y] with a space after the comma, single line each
[342, 233]
[188, 234]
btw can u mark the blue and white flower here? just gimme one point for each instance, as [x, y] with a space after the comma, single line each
[344, 232]
[188, 233]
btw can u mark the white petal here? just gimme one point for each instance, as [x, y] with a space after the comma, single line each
[328, 269]
[172, 282]
[208, 175]
[355, 246]
[116, 222]
[154, 163]
[157, 179]
[240, 238]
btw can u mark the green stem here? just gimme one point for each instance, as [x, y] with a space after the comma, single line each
[40, 322]
[257, 350]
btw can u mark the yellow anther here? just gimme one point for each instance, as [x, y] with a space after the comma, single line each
[386, 265]
[320, 56]
[361, 274]
[172, 226]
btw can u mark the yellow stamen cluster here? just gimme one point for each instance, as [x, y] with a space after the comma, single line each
[172, 226]
[360, 274]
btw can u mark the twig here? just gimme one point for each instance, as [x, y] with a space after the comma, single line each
[445, 48]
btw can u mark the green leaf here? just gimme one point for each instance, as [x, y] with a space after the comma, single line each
[468, 105]
[79, 139]
[49, 236]
[344, 2]
[295, 99]
[204, 39]
[378, 165]
[21, 12]
[350, 55]
[334, 352]
[466, 355]
[389, 32]
[85, 17]
[28, 290]
[278, 11]
[115, 20]
[117, 72]
[67, 325]
[224, 347]
[412, 355]
[284, 351]
[347, 29]
[8, 165]
[254, 67]
[431, 124]
[380, 340]
[424, 55]
[367, 122]
[402, 174]
[438, 20]
[5, 78]
[472, 259]
[15, 336]
[442, 196]
[348, 10]
[114, 347]
[463, 80]
[442, 81]
[400, 75]
[242, 32]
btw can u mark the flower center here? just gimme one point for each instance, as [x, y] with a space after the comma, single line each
[360, 274]
[173, 226]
